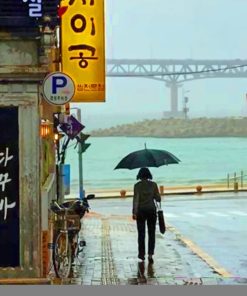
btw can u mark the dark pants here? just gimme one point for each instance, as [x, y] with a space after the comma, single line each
[148, 215]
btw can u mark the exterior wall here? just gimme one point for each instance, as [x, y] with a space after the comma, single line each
[25, 97]
[48, 153]
[24, 62]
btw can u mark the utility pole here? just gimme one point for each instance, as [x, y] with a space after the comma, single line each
[80, 160]
[185, 102]
[81, 149]
[82, 146]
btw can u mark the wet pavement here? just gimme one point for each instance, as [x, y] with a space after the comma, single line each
[110, 257]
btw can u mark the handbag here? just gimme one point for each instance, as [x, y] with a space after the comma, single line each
[161, 219]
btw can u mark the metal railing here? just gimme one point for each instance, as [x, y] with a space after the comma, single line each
[236, 180]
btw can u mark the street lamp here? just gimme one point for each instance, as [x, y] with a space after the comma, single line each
[82, 147]
[185, 102]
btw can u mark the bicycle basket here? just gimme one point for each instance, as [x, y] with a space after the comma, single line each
[68, 222]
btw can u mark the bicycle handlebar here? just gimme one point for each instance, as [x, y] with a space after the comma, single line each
[73, 206]
[57, 205]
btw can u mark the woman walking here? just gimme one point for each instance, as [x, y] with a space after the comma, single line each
[144, 210]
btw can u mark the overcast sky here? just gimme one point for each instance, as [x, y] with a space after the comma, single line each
[177, 29]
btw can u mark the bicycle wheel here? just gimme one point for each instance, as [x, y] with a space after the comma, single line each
[74, 246]
[61, 255]
[77, 248]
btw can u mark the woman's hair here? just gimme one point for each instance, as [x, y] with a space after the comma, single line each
[144, 173]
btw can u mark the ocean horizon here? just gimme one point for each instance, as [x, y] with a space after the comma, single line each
[203, 161]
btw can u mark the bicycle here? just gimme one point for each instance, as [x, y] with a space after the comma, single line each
[66, 244]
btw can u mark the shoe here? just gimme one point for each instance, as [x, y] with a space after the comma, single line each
[142, 257]
[150, 259]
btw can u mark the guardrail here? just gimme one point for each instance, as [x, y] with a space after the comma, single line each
[236, 180]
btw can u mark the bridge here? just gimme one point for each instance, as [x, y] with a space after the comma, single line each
[176, 71]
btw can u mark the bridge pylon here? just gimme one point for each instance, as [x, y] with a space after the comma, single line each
[174, 112]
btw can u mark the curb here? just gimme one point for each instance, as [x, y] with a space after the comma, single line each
[211, 262]
[174, 193]
[25, 281]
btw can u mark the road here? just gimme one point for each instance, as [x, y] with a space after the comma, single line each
[214, 222]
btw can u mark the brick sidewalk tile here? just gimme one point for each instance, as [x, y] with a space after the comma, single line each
[110, 257]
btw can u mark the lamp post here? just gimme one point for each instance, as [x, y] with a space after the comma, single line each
[82, 147]
[185, 102]
[80, 160]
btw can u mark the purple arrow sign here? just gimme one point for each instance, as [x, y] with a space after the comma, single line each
[72, 128]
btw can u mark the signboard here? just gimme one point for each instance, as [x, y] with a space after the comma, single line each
[83, 146]
[9, 188]
[27, 13]
[34, 7]
[83, 47]
[58, 88]
[65, 168]
[71, 127]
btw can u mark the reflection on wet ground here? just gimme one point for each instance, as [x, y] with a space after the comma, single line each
[110, 258]
[141, 277]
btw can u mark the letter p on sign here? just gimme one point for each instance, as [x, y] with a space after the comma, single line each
[58, 82]
[58, 88]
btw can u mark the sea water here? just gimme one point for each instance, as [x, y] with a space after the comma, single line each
[203, 161]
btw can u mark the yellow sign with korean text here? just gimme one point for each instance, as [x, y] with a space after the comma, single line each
[83, 47]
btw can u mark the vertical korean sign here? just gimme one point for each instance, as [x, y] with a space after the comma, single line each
[83, 47]
[9, 187]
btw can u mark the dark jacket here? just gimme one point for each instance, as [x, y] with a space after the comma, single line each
[145, 192]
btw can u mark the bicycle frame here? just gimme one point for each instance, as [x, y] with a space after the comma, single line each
[66, 244]
[64, 251]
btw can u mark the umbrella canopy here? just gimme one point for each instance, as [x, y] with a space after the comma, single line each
[147, 158]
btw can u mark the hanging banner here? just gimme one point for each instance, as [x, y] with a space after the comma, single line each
[27, 13]
[83, 47]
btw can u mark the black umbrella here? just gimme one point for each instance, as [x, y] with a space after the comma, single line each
[147, 158]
